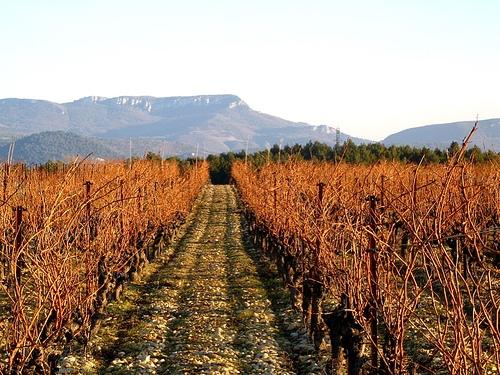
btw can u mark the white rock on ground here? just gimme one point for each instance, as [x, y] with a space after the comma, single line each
[201, 308]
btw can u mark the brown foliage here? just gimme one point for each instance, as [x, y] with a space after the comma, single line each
[418, 271]
[85, 230]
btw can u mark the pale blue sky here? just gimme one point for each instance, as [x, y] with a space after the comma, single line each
[369, 67]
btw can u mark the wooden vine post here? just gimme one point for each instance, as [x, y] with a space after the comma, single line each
[382, 192]
[92, 227]
[121, 207]
[18, 240]
[6, 169]
[275, 197]
[139, 198]
[316, 284]
[373, 284]
[88, 185]
[155, 204]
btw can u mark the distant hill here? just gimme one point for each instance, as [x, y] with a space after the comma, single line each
[57, 145]
[212, 123]
[204, 124]
[487, 136]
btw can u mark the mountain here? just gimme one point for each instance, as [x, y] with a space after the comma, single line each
[204, 124]
[212, 123]
[487, 135]
[26, 116]
[56, 145]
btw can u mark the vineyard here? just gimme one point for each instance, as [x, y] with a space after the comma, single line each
[391, 268]
[72, 237]
[396, 264]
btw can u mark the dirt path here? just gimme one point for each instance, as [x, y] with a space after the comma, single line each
[203, 308]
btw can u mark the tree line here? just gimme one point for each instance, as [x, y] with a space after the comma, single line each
[348, 152]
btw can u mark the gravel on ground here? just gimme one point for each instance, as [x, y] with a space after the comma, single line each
[208, 305]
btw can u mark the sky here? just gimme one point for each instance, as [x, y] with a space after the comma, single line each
[369, 67]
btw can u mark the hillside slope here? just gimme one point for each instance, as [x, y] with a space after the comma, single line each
[486, 137]
[57, 145]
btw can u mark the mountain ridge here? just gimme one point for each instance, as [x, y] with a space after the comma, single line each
[220, 122]
[212, 123]
[486, 137]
